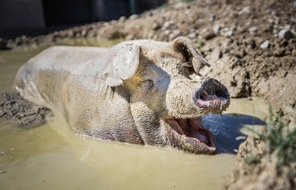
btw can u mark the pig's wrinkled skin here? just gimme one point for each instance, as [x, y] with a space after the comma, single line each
[141, 92]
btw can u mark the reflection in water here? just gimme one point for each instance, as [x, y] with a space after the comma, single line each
[226, 129]
[53, 157]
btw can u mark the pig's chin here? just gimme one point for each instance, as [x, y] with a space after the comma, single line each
[193, 130]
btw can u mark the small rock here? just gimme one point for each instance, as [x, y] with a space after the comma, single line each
[209, 35]
[167, 32]
[251, 43]
[155, 26]
[253, 30]
[1, 153]
[122, 18]
[287, 27]
[174, 34]
[192, 35]
[229, 33]
[245, 10]
[212, 17]
[265, 44]
[216, 28]
[166, 25]
[2, 171]
[281, 73]
[179, 5]
[150, 14]
[286, 34]
[133, 17]
[240, 53]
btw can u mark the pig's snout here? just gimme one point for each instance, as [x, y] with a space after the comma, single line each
[212, 95]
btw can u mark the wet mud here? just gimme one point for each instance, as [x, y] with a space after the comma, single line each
[24, 113]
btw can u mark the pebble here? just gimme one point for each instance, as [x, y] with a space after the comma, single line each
[245, 10]
[155, 26]
[134, 17]
[166, 25]
[2, 171]
[167, 32]
[174, 34]
[216, 28]
[265, 44]
[253, 30]
[212, 17]
[229, 33]
[286, 34]
[122, 18]
[207, 35]
[192, 35]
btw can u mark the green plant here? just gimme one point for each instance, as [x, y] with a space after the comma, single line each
[280, 140]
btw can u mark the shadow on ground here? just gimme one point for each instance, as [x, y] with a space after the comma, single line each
[226, 129]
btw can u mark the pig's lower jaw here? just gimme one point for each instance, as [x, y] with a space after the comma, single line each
[193, 133]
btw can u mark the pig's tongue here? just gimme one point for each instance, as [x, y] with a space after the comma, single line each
[197, 130]
[191, 128]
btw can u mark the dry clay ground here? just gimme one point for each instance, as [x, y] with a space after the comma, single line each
[251, 46]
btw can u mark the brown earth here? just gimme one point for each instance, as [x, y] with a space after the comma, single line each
[267, 160]
[27, 115]
[251, 46]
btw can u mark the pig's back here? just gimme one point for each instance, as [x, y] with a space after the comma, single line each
[42, 78]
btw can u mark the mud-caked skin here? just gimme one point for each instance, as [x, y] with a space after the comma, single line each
[141, 92]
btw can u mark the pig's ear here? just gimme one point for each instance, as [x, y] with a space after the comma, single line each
[191, 55]
[123, 65]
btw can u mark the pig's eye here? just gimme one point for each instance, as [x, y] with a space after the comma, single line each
[150, 83]
[147, 84]
[188, 70]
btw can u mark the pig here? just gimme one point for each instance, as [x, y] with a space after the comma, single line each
[141, 92]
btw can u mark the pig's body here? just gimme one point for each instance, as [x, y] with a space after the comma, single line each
[137, 92]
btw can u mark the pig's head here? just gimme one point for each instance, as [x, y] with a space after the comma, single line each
[166, 95]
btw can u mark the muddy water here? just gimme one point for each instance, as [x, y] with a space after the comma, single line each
[53, 157]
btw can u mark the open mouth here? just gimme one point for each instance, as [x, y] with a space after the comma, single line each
[193, 130]
[187, 129]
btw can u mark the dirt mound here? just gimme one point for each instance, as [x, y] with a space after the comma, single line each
[13, 106]
[266, 160]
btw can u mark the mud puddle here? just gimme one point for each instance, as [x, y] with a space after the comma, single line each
[53, 157]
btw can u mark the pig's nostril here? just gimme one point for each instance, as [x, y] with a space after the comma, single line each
[221, 94]
[203, 95]
[218, 93]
